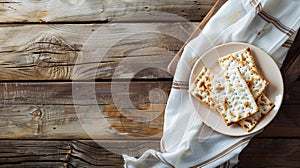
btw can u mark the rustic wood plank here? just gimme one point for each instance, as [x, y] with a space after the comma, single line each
[61, 93]
[63, 122]
[36, 153]
[107, 153]
[271, 153]
[261, 152]
[37, 112]
[90, 51]
[47, 111]
[64, 93]
[30, 164]
[145, 102]
[292, 95]
[290, 69]
[291, 74]
[173, 64]
[40, 110]
[284, 124]
[92, 10]
[73, 153]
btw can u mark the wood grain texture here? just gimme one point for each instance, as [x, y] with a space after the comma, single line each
[62, 122]
[47, 111]
[89, 51]
[271, 153]
[84, 93]
[34, 153]
[40, 110]
[261, 152]
[283, 125]
[214, 9]
[290, 69]
[42, 126]
[68, 122]
[93, 10]
[292, 95]
[111, 150]
[70, 153]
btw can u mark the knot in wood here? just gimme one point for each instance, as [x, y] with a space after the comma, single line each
[36, 112]
[52, 57]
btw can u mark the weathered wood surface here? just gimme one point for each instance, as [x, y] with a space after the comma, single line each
[41, 127]
[69, 153]
[214, 9]
[34, 153]
[93, 10]
[291, 71]
[47, 111]
[90, 51]
[61, 122]
[271, 153]
[61, 93]
[111, 150]
[261, 152]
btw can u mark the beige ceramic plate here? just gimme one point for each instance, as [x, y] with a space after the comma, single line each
[266, 66]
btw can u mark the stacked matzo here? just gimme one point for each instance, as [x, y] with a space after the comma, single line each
[239, 97]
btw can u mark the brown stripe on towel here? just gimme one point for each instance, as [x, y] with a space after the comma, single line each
[287, 44]
[180, 85]
[271, 19]
[181, 82]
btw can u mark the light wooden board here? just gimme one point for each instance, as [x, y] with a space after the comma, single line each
[64, 122]
[84, 93]
[93, 10]
[38, 119]
[47, 110]
[214, 9]
[96, 122]
[90, 51]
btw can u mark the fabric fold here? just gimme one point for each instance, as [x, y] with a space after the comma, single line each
[187, 141]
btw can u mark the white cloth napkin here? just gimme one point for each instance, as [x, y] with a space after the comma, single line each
[186, 142]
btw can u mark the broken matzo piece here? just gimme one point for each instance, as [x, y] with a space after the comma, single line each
[238, 102]
[205, 88]
[264, 106]
[202, 87]
[255, 81]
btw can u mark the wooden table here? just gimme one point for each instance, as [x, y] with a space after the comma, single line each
[43, 43]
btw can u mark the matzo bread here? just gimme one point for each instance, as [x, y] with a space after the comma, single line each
[245, 57]
[255, 81]
[206, 89]
[264, 106]
[202, 87]
[238, 101]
